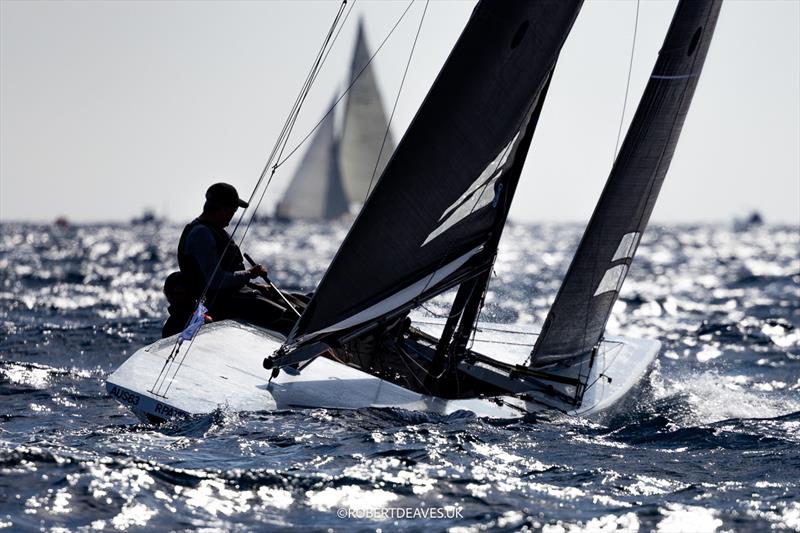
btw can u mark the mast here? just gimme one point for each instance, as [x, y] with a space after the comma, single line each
[469, 299]
[576, 321]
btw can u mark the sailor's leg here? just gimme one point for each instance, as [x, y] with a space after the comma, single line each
[256, 309]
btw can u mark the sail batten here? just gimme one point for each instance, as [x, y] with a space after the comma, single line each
[576, 321]
[439, 196]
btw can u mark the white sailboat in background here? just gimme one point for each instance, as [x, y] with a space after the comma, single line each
[336, 172]
[433, 224]
[316, 191]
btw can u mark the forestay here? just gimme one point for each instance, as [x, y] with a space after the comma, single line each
[434, 207]
[315, 191]
[364, 126]
[577, 319]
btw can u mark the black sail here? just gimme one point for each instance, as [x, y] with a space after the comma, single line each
[577, 319]
[438, 198]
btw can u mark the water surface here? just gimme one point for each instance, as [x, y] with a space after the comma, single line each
[711, 442]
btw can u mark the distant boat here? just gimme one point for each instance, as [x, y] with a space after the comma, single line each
[433, 223]
[61, 222]
[148, 216]
[752, 221]
[316, 191]
[334, 176]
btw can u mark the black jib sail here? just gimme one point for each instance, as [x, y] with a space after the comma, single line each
[577, 319]
[428, 220]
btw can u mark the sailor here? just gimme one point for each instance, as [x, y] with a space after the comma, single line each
[181, 305]
[207, 257]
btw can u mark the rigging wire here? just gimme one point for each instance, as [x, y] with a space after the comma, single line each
[281, 160]
[616, 148]
[396, 99]
[485, 327]
[283, 136]
[619, 137]
[281, 144]
[347, 90]
[628, 83]
[283, 139]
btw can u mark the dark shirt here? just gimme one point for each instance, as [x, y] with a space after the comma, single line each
[199, 251]
[202, 246]
[176, 321]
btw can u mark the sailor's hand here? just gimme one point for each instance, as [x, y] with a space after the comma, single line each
[261, 288]
[257, 271]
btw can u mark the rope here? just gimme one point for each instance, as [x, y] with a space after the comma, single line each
[396, 99]
[281, 142]
[435, 314]
[283, 138]
[403, 355]
[616, 148]
[628, 83]
[280, 147]
[479, 313]
[347, 90]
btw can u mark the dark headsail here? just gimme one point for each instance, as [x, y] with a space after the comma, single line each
[434, 208]
[578, 317]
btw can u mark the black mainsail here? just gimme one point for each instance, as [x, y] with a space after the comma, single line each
[433, 216]
[578, 316]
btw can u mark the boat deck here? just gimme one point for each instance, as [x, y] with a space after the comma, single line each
[222, 368]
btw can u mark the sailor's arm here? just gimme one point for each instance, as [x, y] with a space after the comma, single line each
[257, 271]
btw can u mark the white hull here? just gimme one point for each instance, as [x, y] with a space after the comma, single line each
[223, 368]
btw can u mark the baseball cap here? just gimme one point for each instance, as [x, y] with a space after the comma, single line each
[224, 195]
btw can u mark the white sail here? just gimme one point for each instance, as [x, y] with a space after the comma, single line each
[315, 192]
[364, 127]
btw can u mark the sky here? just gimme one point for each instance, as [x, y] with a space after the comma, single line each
[108, 108]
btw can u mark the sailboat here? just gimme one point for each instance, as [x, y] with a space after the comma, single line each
[316, 191]
[336, 172]
[432, 224]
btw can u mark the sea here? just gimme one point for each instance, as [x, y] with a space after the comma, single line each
[709, 442]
